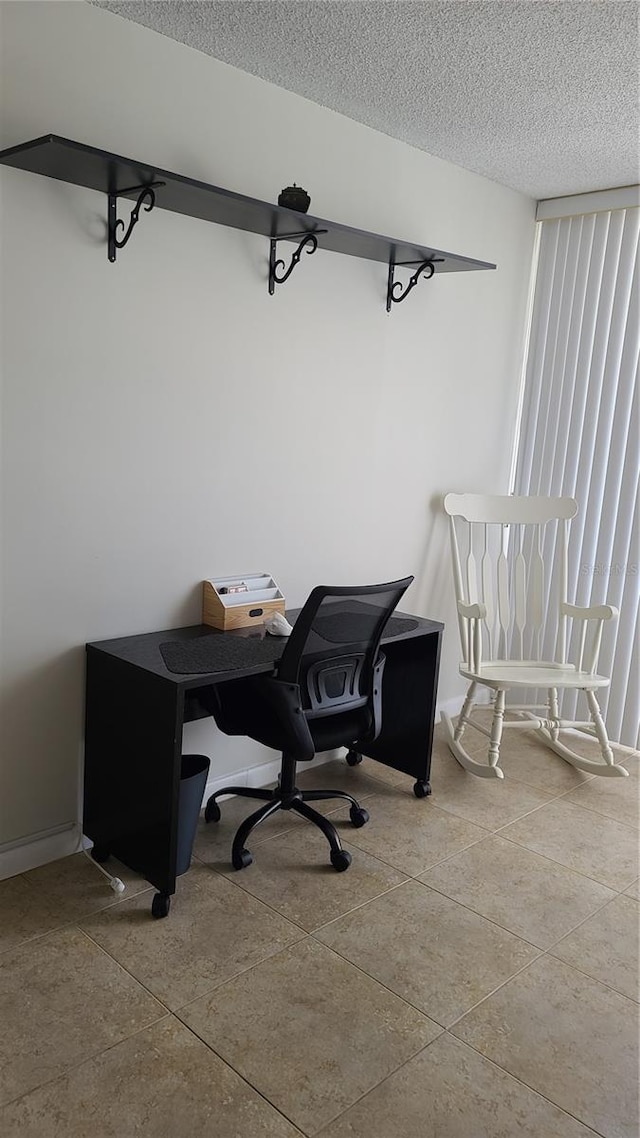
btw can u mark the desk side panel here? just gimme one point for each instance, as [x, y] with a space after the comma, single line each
[133, 744]
[409, 690]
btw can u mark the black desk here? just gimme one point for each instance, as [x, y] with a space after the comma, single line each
[136, 708]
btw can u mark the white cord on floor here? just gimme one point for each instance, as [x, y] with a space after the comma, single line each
[116, 884]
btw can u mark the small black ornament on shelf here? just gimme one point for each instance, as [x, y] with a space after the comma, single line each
[294, 197]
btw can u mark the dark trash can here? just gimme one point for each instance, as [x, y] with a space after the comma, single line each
[193, 779]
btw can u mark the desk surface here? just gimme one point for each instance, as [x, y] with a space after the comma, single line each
[143, 651]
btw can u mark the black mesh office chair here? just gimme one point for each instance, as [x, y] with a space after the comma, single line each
[327, 692]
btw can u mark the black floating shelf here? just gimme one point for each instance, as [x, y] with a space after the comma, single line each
[118, 177]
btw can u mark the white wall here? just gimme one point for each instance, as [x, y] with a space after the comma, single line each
[166, 420]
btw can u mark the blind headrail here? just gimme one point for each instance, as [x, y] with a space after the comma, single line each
[601, 201]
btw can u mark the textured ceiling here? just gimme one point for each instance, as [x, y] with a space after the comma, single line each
[541, 96]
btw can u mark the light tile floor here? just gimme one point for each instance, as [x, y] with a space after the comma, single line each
[473, 975]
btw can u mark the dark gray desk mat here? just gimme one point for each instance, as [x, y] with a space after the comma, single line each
[352, 627]
[220, 653]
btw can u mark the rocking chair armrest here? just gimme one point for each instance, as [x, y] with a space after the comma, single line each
[472, 612]
[591, 612]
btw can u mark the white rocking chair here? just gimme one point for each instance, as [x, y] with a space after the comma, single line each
[501, 590]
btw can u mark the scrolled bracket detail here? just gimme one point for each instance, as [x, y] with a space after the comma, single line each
[425, 268]
[146, 192]
[276, 277]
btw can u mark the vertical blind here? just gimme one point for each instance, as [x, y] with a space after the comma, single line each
[578, 434]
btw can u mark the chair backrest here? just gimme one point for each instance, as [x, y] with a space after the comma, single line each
[510, 555]
[333, 648]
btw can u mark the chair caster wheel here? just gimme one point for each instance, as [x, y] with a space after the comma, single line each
[212, 811]
[359, 816]
[340, 860]
[421, 789]
[241, 860]
[100, 854]
[160, 905]
[353, 758]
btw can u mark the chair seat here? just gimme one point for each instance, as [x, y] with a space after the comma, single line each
[533, 674]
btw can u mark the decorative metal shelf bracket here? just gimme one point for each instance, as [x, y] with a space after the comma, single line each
[425, 268]
[115, 242]
[309, 238]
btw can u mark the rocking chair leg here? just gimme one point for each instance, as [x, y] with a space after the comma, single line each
[601, 731]
[453, 736]
[465, 713]
[553, 713]
[496, 728]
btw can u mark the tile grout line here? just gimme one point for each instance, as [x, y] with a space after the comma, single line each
[541, 953]
[127, 972]
[308, 932]
[503, 928]
[528, 1086]
[72, 922]
[512, 822]
[493, 920]
[244, 1078]
[396, 1070]
[454, 901]
[387, 865]
[243, 971]
[172, 1011]
[84, 1061]
[579, 925]
[548, 857]
[381, 984]
[503, 984]
[361, 905]
[432, 865]
[530, 963]
[587, 975]
[600, 814]
[576, 806]
[484, 1058]
[236, 975]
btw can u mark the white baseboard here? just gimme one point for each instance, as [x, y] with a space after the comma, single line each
[38, 849]
[450, 707]
[262, 775]
[453, 707]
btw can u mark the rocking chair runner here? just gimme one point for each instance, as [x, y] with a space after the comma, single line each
[497, 546]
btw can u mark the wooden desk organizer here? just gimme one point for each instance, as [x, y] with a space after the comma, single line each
[222, 609]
